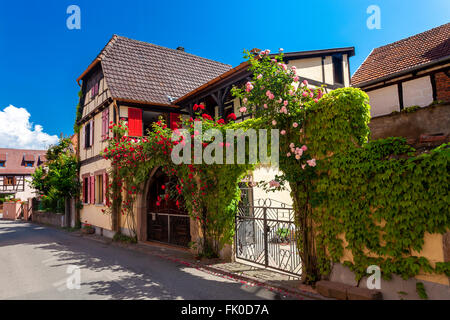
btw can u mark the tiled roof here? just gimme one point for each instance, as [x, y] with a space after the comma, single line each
[144, 72]
[14, 160]
[402, 55]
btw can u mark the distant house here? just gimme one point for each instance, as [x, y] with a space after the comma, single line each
[16, 167]
[410, 72]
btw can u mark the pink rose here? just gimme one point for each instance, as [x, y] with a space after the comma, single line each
[297, 156]
[274, 122]
[291, 145]
[243, 110]
[285, 103]
[245, 100]
[304, 148]
[265, 105]
[305, 94]
[274, 183]
[288, 154]
[311, 163]
[259, 76]
[305, 82]
[296, 79]
[303, 166]
[295, 124]
[283, 132]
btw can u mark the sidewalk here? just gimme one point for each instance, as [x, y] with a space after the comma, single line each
[248, 275]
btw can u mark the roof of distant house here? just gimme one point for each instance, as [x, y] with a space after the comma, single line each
[143, 72]
[432, 46]
[15, 160]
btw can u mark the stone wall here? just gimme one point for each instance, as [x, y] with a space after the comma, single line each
[48, 218]
[425, 127]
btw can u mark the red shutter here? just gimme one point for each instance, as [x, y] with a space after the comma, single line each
[134, 122]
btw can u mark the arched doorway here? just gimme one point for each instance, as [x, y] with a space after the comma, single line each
[166, 222]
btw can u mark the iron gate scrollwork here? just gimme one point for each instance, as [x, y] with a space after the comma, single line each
[265, 234]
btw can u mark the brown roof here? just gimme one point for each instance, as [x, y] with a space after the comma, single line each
[15, 160]
[144, 72]
[420, 49]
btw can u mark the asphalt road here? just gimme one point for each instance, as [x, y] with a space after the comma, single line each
[37, 262]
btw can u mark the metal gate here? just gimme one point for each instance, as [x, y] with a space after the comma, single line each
[265, 235]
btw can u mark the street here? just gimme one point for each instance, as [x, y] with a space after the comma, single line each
[37, 262]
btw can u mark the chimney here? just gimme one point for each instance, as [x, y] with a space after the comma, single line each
[180, 49]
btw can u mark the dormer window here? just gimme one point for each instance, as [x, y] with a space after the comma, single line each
[28, 160]
[42, 159]
[2, 160]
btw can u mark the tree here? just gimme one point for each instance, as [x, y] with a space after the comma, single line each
[57, 180]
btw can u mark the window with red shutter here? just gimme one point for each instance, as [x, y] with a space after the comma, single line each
[134, 122]
[92, 190]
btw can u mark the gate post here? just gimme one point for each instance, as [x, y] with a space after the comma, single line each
[266, 240]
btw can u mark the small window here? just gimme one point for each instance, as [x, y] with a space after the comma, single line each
[338, 69]
[87, 135]
[28, 164]
[99, 189]
[2, 164]
[9, 181]
[86, 190]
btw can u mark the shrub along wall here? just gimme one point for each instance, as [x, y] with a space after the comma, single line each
[377, 204]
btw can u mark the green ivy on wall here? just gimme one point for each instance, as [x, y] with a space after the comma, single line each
[384, 199]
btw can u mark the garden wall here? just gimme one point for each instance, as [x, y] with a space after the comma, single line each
[10, 210]
[49, 218]
[429, 126]
[436, 248]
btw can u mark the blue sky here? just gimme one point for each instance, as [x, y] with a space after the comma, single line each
[41, 57]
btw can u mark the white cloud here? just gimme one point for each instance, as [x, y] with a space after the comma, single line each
[16, 131]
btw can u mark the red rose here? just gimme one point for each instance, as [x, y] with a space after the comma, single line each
[231, 116]
[221, 121]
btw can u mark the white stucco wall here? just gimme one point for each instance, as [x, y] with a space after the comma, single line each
[267, 174]
[384, 101]
[28, 192]
[417, 92]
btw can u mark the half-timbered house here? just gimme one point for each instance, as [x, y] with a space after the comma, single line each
[137, 82]
[16, 167]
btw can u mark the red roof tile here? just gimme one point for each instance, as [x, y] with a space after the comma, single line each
[402, 55]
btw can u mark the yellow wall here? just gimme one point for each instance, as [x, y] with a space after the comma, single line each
[432, 249]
